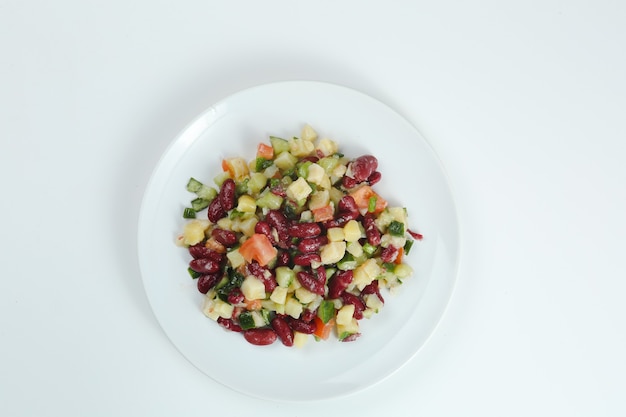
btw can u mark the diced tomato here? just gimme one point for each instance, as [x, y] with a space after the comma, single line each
[265, 151]
[398, 259]
[324, 213]
[226, 167]
[253, 305]
[362, 197]
[259, 248]
[323, 330]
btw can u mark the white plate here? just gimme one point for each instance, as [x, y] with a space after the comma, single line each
[412, 177]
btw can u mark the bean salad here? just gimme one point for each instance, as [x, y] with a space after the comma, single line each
[295, 243]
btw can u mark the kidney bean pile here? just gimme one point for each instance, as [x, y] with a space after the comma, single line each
[295, 242]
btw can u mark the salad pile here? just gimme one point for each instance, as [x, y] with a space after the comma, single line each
[295, 242]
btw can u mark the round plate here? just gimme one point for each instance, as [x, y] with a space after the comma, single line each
[412, 177]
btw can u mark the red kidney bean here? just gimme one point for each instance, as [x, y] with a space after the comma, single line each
[348, 182]
[374, 178]
[263, 227]
[347, 204]
[264, 274]
[373, 288]
[260, 337]
[235, 296]
[415, 235]
[228, 324]
[308, 281]
[351, 338]
[200, 251]
[305, 259]
[215, 210]
[278, 221]
[320, 274]
[301, 326]
[283, 331]
[227, 238]
[389, 254]
[307, 315]
[304, 230]
[227, 194]
[207, 281]
[283, 258]
[359, 306]
[363, 166]
[341, 219]
[204, 265]
[310, 158]
[371, 230]
[339, 282]
[312, 244]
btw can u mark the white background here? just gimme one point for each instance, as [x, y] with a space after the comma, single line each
[524, 102]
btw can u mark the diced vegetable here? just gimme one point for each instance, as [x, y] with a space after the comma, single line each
[258, 248]
[253, 288]
[362, 197]
[265, 151]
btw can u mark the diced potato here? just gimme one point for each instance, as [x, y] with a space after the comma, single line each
[306, 216]
[253, 288]
[344, 315]
[339, 171]
[284, 276]
[304, 296]
[293, 307]
[403, 271]
[300, 339]
[235, 258]
[352, 231]
[316, 174]
[335, 195]
[301, 147]
[285, 161]
[193, 231]
[238, 167]
[398, 214]
[215, 308]
[365, 273]
[388, 240]
[299, 189]
[333, 252]
[308, 133]
[355, 249]
[335, 234]
[246, 226]
[270, 171]
[349, 328]
[225, 223]
[327, 146]
[325, 183]
[372, 301]
[256, 182]
[319, 199]
[246, 204]
[279, 295]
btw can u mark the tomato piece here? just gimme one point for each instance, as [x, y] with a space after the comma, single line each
[265, 151]
[259, 248]
[323, 330]
[398, 259]
[253, 305]
[362, 196]
[226, 167]
[324, 213]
